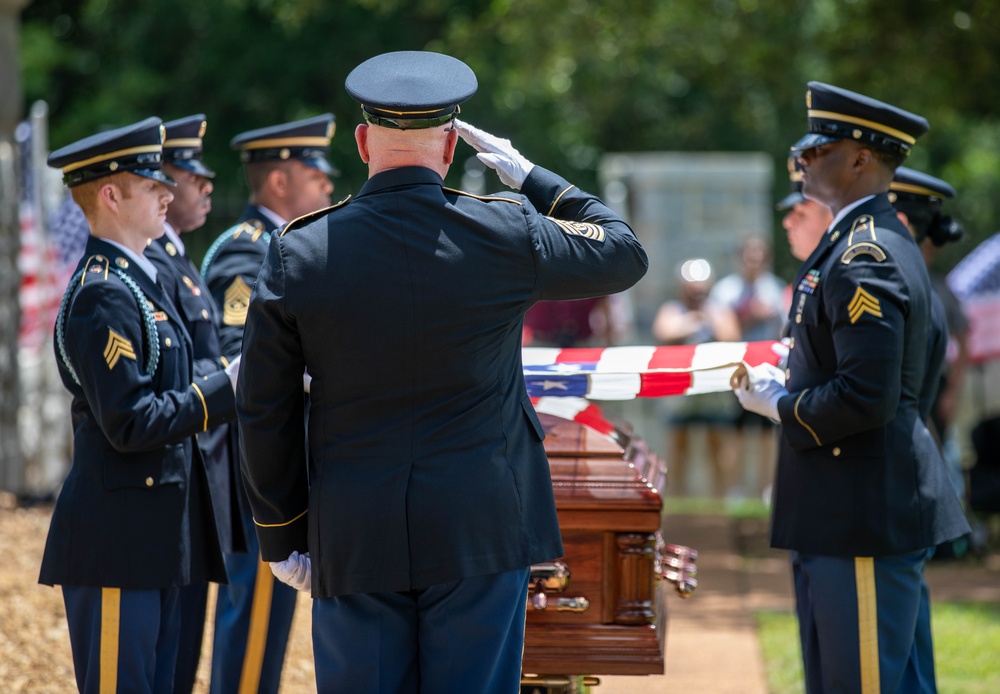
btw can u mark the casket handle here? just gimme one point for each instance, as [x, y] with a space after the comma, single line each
[676, 564]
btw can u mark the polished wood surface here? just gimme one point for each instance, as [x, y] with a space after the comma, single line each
[606, 484]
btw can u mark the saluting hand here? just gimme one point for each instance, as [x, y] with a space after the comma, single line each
[496, 153]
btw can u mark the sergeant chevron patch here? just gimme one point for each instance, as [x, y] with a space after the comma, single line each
[236, 301]
[595, 232]
[863, 302]
[117, 348]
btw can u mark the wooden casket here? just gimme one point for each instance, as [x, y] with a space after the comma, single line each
[599, 609]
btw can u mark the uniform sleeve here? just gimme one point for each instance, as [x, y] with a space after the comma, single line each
[581, 247]
[270, 405]
[231, 278]
[867, 305]
[107, 348]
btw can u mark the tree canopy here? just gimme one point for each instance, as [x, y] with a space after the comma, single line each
[566, 82]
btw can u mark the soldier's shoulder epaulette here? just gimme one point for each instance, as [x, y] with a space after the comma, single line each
[484, 198]
[251, 229]
[862, 240]
[306, 218]
[97, 267]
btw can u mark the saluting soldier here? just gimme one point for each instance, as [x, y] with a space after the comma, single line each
[423, 492]
[133, 523]
[861, 494]
[180, 278]
[289, 175]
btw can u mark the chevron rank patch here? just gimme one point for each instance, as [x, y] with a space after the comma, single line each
[862, 303]
[117, 348]
[595, 232]
[236, 302]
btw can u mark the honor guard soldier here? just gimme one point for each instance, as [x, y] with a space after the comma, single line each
[423, 493]
[861, 495]
[180, 278]
[133, 523]
[288, 174]
[805, 221]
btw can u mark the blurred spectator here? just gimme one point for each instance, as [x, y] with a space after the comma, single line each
[757, 297]
[805, 221]
[691, 319]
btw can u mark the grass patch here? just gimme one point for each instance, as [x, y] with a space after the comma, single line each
[700, 506]
[966, 644]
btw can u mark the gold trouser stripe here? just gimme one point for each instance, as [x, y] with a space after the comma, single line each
[111, 606]
[864, 575]
[260, 614]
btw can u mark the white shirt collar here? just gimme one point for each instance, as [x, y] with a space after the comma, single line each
[273, 216]
[173, 237]
[845, 210]
[142, 261]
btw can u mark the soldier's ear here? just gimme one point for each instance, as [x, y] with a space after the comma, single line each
[361, 138]
[863, 158]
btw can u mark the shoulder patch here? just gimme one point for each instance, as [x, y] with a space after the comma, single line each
[306, 218]
[96, 267]
[484, 198]
[236, 302]
[862, 303]
[587, 230]
[863, 248]
[863, 228]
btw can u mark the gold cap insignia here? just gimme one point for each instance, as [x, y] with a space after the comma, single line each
[236, 302]
[203, 128]
[809, 98]
[117, 348]
[113, 166]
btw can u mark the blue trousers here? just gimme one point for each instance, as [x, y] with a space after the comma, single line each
[123, 640]
[461, 636]
[864, 624]
[253, 615]
[191, 605]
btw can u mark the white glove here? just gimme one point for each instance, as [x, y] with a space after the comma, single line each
[782, 349]
[306, 381]
[295, 571]
[760, 390]
[233, 370]
[496, 153]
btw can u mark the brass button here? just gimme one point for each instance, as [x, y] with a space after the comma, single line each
[788, 375]
[836, 451]
[204, 313]
[149, 481]
[167, 342]
[791, 343]
[834, 236]
[798, 318]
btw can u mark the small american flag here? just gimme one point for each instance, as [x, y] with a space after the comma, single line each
[975, 280]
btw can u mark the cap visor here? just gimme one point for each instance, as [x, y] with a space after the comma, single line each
[319, 164]
[194, 166]
[812, 140]
[790, 201]
[155, 174]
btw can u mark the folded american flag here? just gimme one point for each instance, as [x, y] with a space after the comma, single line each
[623, 373]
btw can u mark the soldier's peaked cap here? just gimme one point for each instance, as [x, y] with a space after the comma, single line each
[411, 89]
[306, 140]
[795, 196]
[914, 186]
[136, 148]
[838, 114]
[182, 144]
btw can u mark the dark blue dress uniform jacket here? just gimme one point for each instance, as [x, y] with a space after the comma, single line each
[858, 472]
[230, 269]
[134, 511]
[184, 285]
[425, 457]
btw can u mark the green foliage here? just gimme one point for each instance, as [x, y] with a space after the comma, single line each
[566, 81]
[966, 639]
